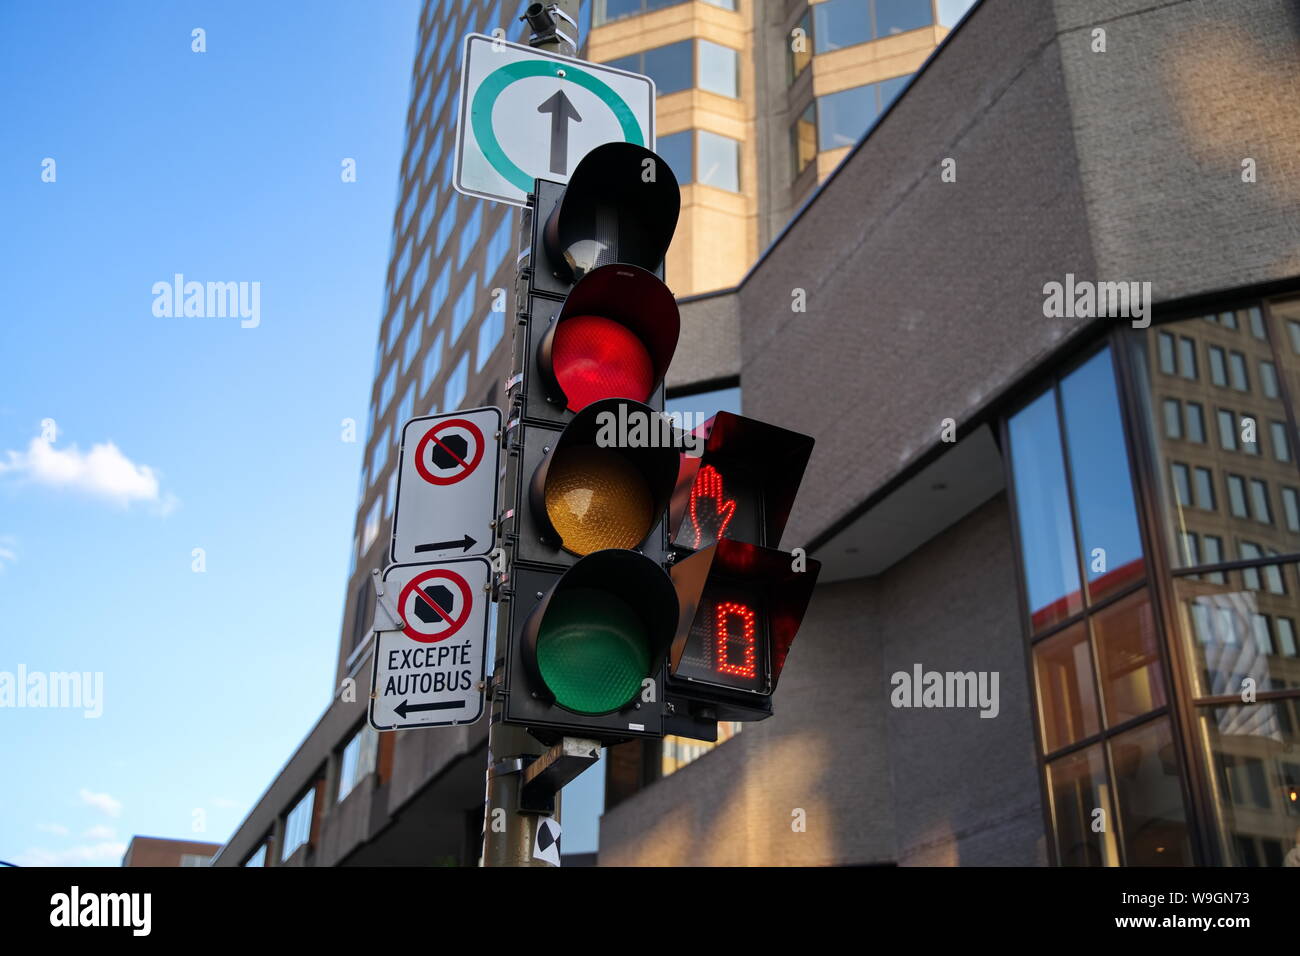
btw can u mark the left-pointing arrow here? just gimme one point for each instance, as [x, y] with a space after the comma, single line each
[404, 708]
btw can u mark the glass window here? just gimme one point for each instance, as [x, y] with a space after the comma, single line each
[1218, 368]
[1281, 447]
[1042, 507]
[1204, 488]
[446, 223]
[258, 858]
[457, 383]
[1182, 485]
[1195, 423]
[1094, 432]
[950, 11]
[1228, 320]
[370, 530]
[407, 409]
[719, 161]
[841, 23]
[498, 250]
[843, 117]
[391, 498]
[1212, 553]
[675, 148]
[1256, 320]
[1148, 791]
[489, 334]
[412, 346]
[1227, 430]
[1173, 418]
[469, 233]
[357, 759]
[1080, 798]
[1237, 497]
[463, 311]
[899, 16]
[1237, 365]
[1166, 342]
[1291, 508]
[1128, 658]
[1293, 335]
[1268, 379]
[719, 69]
[1067, 694]
[432, 363]
[438, 294]
[387, 390]
[297, 825]
[1187, 358]
[669, 66]
[605, 11]
[803, 139]
[1259, 501]
[1253, 749]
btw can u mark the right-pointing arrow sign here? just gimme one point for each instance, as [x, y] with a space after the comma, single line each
[561, 111]
[464, 543]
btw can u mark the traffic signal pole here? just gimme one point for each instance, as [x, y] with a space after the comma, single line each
[509, 832]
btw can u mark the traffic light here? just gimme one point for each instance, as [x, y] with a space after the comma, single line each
[645, 592]
[592, 613]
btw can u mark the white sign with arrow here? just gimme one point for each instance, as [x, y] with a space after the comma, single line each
[447, 486]
[527, 114]
[431, 644]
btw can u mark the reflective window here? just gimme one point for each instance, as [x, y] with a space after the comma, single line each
[718, 161]
[1255, 751]
[387, 390]
[297, 825]
[498, 249]
[463, 311]
[1167, 362]
[1128, 659]
[357, 759]
[489, 334]
[1195, 423]
[1067, 693]
[469, 233]
[950, 11]
[1148, 797]
[370, 529]
[1186, 358]
[1237, 367]
[446, 223]
[1080, 795]
[457, 383]
[843, 117]
[719, 69]
[803, 139]
[1173, 418]
[1108, 527]
[432, 363]
[1042, 505]
[605, 11]
[1218, 367]
[841, 23]
[438, 294]
[675, 148]
[899, 16]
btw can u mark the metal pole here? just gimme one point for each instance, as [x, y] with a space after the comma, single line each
[508, 834]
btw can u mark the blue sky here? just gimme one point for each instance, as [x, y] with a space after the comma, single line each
[181, 433]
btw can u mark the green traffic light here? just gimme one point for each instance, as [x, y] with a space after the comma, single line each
[592, 650]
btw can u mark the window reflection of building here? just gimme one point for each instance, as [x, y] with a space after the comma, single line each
[1112, 775]
[1229, 495]
[1209, 446]
[679, 751]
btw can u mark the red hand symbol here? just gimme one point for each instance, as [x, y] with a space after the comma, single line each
[710, 514]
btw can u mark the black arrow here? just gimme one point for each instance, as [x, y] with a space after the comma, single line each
[465, 544]
[404, 708]
[561, 111]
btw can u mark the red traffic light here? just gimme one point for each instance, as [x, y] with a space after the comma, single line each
[613, 338]
[740, 608]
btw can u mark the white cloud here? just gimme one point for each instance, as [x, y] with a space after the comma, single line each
[103, 472]
[103, 801]
[73, 856]
[100, 832]
[8, 550]
[58, 829]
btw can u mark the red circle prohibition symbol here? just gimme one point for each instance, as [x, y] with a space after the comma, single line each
[467, 602]
[466, 467]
